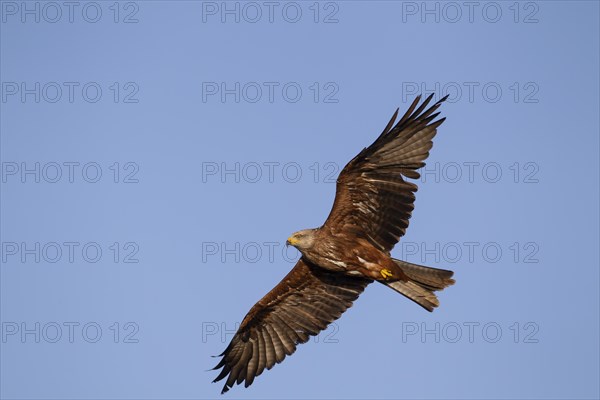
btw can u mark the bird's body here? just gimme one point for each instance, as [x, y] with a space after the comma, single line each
[349, 251]
[351, 255]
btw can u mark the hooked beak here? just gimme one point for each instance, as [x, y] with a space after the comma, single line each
[291, 241]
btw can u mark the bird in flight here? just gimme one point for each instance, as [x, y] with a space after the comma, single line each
[373, 203]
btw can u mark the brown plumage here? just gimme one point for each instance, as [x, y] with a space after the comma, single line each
[372, 206]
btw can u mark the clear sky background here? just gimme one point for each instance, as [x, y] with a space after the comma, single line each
[156, 155]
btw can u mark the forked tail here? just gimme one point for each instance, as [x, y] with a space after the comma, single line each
[423, 282]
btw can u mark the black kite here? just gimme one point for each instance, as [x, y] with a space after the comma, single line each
[372, 206]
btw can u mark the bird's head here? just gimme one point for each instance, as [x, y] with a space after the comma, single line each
[302, 240]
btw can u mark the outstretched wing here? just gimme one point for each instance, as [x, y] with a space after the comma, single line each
[304, 303]
[372, 199]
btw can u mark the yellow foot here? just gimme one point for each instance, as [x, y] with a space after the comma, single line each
[386, 273]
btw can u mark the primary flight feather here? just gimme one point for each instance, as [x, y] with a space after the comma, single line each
[372, 206]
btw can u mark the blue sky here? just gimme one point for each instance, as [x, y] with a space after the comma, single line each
[156, 155]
